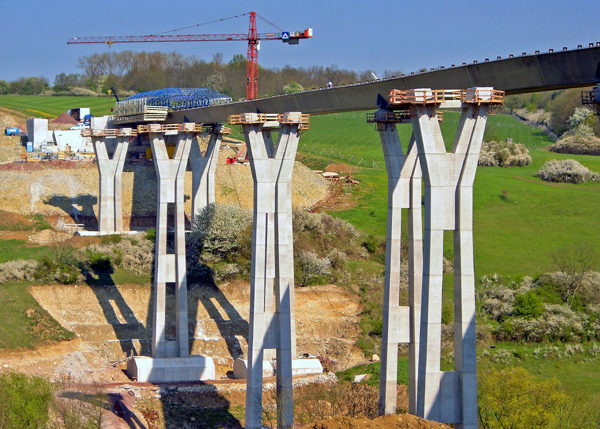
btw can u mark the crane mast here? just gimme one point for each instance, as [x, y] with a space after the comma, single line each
[253, 38]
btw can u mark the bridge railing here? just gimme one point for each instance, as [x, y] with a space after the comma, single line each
[399, 97]
[303, 120]
[118, 132]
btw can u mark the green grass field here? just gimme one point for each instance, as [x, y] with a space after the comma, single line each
[24, 322]
[41, 107]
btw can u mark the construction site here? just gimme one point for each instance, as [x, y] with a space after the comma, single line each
[133, 301]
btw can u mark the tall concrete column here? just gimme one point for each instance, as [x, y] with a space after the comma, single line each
[449, 397]
[170, 267]
[272, 263]
[203, 172]
[400, 323]
[110, 209]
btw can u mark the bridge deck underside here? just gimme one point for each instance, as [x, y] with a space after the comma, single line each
[540, 72]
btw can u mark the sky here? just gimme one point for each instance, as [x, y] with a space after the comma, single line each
[356, 35]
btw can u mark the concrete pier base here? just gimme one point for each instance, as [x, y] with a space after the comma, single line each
[272, 326]
[299, 367]
[170, 370]
[110, 210]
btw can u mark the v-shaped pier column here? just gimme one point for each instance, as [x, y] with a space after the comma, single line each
[203, 171]
[110, 209]
[170, 267]
[400, 323]
[449, 397]
[271, 326]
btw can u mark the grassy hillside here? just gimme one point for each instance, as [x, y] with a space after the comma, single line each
[514, 235]
[41, 107]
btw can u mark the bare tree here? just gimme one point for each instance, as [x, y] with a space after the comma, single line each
[573, 262]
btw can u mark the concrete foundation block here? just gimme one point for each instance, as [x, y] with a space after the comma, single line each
[299, 367]
[167, 370]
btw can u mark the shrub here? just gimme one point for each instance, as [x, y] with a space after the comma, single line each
[589, 145]
[151, 234]
[99, 261]
[528, 305]
[217, 230]
[62, 267]
[134, 254]
[24, 401]
[322, 232]
[512, 398]
[111, 239]
[312, 266]
[566, 171]
[18, 270]
[504, 154]
[319, 401]
[338, 259]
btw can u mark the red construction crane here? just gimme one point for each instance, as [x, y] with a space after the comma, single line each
[253, 38]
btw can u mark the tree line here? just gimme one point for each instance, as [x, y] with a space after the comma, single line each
[132, 72]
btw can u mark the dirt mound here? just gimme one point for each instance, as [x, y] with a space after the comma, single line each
[341, 168]
[14, 222]
[392, 421]
[49, 237]
[64, 118]
[46, 165]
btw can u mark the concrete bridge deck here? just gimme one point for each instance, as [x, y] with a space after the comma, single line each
[521, 74]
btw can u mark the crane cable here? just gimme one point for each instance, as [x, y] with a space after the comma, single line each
[219, 20]
[204, 23]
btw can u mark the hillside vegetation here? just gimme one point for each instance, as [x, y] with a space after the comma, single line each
[518, 218]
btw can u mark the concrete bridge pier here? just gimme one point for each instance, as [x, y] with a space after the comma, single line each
[171, 360]
[110, 210]
[449, 397]
[400, 323]
[271, 326]
[170, 267]
[203, 171]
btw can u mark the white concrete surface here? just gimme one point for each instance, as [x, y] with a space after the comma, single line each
[400, 324]
[203, 172]
[110, 209]
[299, 367]
[272, 319]
[170, 267]
[448, 397]
[168, 370]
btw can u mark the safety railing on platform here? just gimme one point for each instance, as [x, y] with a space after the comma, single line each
[156, 128]
[399, 97]
[303, 120]
[117, 132]
[163, 128]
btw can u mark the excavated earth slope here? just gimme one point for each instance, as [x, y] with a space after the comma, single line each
[69, 189]
[111, 321]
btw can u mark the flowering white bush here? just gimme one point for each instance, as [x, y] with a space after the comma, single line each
[497, 299]
[504, 154]
[566, 171]
[313, 266]
[217, 230]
